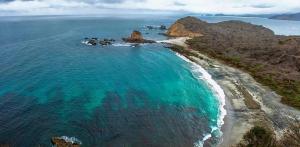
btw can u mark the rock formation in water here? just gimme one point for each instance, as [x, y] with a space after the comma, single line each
[92, 42]
[271, 59]
[137, 37]
[95, 41]
[161, 27]
[65, 142]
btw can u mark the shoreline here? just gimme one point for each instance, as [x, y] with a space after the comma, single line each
[218, 92]
[247, 103]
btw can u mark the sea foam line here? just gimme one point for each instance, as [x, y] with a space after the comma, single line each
[218, 91]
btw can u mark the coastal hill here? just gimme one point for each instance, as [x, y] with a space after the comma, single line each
[272, 60]
[187, 27]
[295, 16]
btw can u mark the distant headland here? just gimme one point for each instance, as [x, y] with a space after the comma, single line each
[294, 16]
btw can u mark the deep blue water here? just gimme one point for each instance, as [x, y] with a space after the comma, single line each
[53, 85]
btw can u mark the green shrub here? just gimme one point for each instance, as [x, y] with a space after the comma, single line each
[258, 137]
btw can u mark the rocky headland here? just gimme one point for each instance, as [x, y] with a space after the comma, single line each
[272, 60]
[187, 28]
[258, 71]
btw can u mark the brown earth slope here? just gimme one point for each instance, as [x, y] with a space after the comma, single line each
[271, 59]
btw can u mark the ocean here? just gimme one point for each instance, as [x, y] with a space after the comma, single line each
[51, 84]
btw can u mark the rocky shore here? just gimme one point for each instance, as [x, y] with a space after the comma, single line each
[248, 103]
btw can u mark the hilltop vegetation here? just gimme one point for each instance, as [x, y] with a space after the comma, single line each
[271, 59]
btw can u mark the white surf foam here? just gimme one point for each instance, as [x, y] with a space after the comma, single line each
[218, 92]
[85, 42]
[122, 44]
[71, 140]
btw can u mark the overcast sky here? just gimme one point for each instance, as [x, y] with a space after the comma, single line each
[56, 7]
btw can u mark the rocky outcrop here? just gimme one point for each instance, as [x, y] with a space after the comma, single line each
[137, 37]
[65, 141]
[187, 27]
[95, 41]
[161, 27]
[105, 42]
[92, 42]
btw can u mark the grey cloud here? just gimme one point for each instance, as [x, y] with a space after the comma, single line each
[262, 6]
[179, 4]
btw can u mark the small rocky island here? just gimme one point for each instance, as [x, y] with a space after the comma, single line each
[161, 27]
[94, 41]
[137, 37]
[65, 141]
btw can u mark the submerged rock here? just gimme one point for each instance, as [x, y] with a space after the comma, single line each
[162, 27]
[137, 37]
[65, 141]
[92, 42]
[106, 41]
[150, 27]
[95, 41]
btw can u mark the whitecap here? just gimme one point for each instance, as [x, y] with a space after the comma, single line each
[85, 42]
[122, 44]
[70, 139]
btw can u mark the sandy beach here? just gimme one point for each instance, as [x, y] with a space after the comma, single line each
[248, 103]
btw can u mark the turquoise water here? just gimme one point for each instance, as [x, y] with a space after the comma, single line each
[53, 85]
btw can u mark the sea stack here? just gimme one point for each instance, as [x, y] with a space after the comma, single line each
[137, 37]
